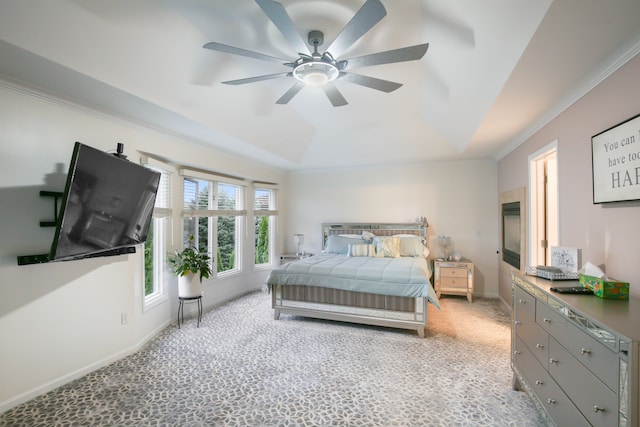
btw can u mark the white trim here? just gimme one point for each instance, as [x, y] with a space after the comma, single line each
[265, 212]
[79, 373]
[532, 204]
[264, 185]
[210, 176]
[213, 212]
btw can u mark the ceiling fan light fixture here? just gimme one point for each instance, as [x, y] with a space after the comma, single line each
[315, 73]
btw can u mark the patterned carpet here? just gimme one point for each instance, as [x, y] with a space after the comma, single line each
[242, 368]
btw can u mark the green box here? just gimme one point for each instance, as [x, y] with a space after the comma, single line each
[609, 289]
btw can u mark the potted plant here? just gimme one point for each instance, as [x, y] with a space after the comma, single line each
[190, 265]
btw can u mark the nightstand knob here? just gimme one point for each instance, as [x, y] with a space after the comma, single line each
[539, 382]
[539, 345]
[516, 352]
[521, 301]
[551, 401]
[597, 408]
[517, 322]
[552, 360]
[545, 320]
[585, 351]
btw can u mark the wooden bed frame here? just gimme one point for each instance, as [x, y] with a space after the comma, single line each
[350, 306]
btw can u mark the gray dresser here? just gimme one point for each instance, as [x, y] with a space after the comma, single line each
[576, 355]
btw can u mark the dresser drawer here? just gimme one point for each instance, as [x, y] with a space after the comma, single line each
[553, 399]
[524, 306]
[536, 339]
[551, 321]
[592, 397]
[597, 357]
[454, 283]
[459, 272]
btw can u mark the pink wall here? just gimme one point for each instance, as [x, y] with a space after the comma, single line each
[608, 234]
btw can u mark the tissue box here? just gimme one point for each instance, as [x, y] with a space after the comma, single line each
[610, 289]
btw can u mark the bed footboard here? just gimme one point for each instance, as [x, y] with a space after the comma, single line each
[349, 306]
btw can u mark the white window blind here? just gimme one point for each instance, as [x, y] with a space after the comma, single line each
[212, 195]
[162, 206]
[264, 203]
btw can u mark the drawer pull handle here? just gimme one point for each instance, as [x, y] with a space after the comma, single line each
[585, 351]
[539, 345]
[516, 352]
[552, 360]
[597, 408]
[551, 401]
[545, 320]
[539, 382]
[521, 301]
[517, 322]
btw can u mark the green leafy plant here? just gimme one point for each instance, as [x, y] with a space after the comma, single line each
[190, 259]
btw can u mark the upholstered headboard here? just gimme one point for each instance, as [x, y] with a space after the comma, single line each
[379, 229]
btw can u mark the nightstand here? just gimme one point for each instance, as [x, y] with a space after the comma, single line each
[454, 278]
[285, 258]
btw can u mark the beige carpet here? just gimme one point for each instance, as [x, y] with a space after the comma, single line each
[242, 368]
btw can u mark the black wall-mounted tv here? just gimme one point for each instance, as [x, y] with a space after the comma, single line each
[106, 206]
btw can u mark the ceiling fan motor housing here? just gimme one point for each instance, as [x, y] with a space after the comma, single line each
[316, 38]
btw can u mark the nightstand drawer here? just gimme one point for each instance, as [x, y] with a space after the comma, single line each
[453, 283]
[453, 278]
[453, 272]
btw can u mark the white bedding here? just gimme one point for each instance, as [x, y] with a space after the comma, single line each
[404, 276]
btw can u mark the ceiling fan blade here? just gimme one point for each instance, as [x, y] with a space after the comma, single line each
[255, 79]
[369, 15]
[281, 19]
[403, 54]
[336, 98]
[371, 82]
[293, 90]
[243, 52]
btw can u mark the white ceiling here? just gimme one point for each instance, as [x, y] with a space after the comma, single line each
[495, 72]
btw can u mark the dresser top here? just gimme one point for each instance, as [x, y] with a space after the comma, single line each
[618, 315]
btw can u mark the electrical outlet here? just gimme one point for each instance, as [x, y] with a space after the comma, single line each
[123, 318]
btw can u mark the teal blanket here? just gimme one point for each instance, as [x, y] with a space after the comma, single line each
[405, 276]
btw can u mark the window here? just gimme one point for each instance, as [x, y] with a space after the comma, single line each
[213, 213]
[264, 212]
[155, 246]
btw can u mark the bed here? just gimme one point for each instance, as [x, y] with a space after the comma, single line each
[375, 274]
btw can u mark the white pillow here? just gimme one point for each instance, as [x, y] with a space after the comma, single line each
[410, 245]
[368, 236]
[388, 247]
[362, 250]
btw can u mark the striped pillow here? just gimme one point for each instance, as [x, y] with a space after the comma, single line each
[362, 250]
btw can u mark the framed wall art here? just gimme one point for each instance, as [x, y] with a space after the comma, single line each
[616, 162]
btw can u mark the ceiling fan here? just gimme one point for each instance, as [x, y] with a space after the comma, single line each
[321, 69]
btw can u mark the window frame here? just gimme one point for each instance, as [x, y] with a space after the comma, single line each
[272, 214]
[212, 213]
[161, 219]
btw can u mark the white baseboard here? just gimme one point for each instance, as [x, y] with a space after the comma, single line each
[52, 385]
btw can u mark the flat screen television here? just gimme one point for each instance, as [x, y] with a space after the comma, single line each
[106, 205]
